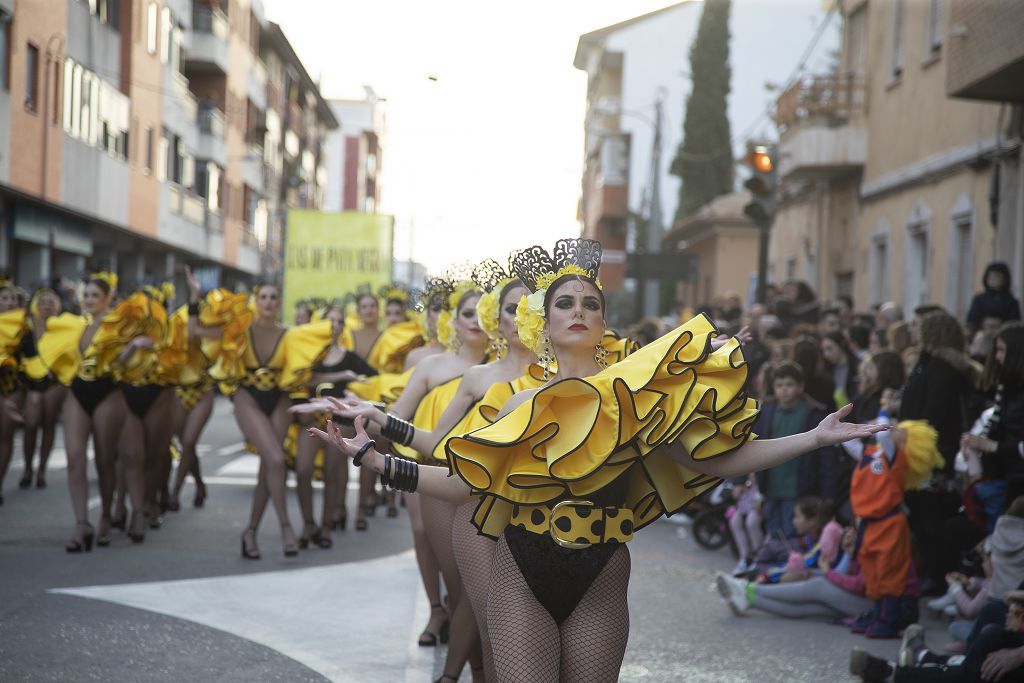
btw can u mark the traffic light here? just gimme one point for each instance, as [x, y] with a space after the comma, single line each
[762, 184]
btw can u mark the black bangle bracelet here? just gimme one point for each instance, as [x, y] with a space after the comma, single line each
[400, 473]
[415, 478]
[193, 309]
[385, 477]
[357, 459]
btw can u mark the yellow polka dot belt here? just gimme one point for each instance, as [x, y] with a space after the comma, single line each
[576, 523]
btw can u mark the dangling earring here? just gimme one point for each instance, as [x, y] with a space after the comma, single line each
[546, 357]
[499, 347]
[456, 342]
[601, 355]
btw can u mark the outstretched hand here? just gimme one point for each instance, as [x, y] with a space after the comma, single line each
[833, 430]
[313, 405]
[333, 435]
[745, 335]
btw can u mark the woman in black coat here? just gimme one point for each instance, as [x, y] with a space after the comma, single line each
[996, 301]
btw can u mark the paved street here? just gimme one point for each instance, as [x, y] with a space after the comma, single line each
[185, 606]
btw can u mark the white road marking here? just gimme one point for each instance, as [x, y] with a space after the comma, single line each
[231, 449]
[341, 630]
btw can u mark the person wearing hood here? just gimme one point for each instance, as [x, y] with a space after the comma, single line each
[996, 301]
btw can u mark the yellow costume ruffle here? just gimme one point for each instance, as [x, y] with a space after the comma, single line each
[138, 315]
[617, 347]
[230, 312]
[393, 345]
[12, 329]
[577, 436]
[428, 412]
[299, 351]
[58, 347]
[180, 361]
[385, 387]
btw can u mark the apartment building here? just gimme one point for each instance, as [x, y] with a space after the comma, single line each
[134, 138]
[886, 179]
[355, 165]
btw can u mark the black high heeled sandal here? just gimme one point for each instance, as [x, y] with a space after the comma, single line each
[137, 529]
[430, 639]
[306, 538]
[250, 551]
[76, 545]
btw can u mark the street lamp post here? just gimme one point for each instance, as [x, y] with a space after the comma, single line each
[652, 288]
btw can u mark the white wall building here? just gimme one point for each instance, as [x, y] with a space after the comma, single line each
[354, 155]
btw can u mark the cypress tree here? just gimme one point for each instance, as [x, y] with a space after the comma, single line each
[704, 159]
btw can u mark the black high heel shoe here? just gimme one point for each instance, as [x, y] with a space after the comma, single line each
[137, 527]
[76, 545]
[340, 521]
[200, 497]
[430, 639]
[250, 551]
[103, 539]
[290, 548]
[26, 480]
[323, 538]
[308, 537]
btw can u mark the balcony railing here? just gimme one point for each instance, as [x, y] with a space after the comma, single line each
[207, 19]
[211, 121]
[829, 100]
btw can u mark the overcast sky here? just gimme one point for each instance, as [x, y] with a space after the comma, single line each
[487, 157]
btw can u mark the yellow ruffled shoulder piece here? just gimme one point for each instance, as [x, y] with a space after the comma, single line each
[921, 449]
[576, 436]
[132, 317]
[299, 351]
[393, 345]
[486, 410]
[179, 360]
[385, 387]
[347, 340]
[429, 411]
[226, 354]
[58, 346]
[12, 329]
[617, 347]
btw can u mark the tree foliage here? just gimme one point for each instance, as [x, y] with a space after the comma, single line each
[704, 159]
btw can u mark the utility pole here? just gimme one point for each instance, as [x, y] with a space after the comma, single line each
[652, 287]
[763, 186]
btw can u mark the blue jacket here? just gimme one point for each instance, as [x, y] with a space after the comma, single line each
[817, 470]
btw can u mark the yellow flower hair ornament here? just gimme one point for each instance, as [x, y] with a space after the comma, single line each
[105, 276]
[445, 330]
[487, 313]
[530, 321]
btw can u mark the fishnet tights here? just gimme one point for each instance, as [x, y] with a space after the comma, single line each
[474, 554]
[528, 645]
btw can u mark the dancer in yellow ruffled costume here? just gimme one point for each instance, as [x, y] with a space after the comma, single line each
[193, 385]
[43, 393]
[480, 395]
[587, 459]
[338, 367]
[258, 361]
[93, 354]
[12, 327]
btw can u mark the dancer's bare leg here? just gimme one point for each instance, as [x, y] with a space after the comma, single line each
[438, 517]
[53, 400]
[33, 415]
[267, 435]
[430, 572]
[77, 427]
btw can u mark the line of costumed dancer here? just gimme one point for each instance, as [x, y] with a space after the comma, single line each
[537, 444]
[529, 443]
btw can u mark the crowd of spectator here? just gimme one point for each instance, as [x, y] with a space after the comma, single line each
[965, 379]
